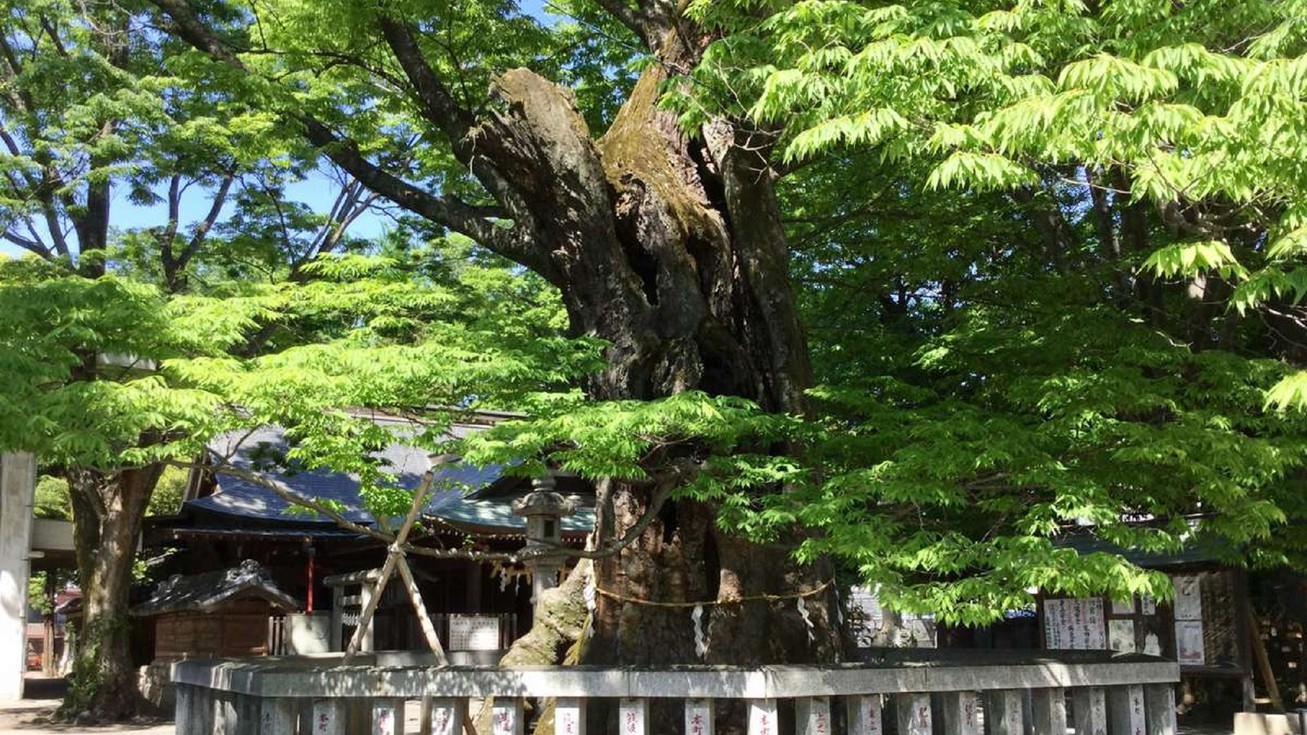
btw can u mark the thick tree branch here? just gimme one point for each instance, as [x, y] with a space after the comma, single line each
[448, 211]
[438, 105]
[515, 243]
[623, 13]
[28, 244]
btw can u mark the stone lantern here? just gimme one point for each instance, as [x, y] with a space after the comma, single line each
[544, 509]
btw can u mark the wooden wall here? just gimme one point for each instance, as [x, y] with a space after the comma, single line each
[238, 629]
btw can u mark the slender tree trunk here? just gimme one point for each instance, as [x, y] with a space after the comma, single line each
[107, 513]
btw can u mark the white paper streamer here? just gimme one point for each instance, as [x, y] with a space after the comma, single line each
[803, 613]
[700, 643]
[590, 592]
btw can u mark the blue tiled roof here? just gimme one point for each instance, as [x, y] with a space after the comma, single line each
[238, 499]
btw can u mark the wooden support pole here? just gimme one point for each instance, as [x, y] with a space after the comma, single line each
[363, 633]
[1263, 659]
[420, 608]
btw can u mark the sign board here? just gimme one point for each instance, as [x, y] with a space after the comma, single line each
[473, 633]
[1189, 647]
[1075, 624]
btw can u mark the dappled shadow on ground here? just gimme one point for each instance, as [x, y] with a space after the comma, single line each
[32, 714]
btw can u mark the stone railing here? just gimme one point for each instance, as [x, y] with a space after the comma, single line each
[958, 694]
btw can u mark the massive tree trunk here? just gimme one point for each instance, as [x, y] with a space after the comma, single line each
[671, 249]
[107, 513]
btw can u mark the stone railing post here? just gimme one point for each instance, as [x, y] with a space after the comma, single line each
[388, 717]
[812, 716]
[913, 712]
[961, 714]
[506, 717]
[699, 715]
[329, 717]
[569, 716]
[1159, 705]
[1048, 711]
[1003, 712]
[1125, 710]
[633, 716]
[864, 715]
[444, 715]
[762, 717]
[1090, 707]
[277, 714]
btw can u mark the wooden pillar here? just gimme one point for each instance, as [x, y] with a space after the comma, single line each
[1159, 709]
[335, 636]
[812, 716]
[633, 716]
[1089, 705]
[1125, 710]
[329, 717]
[1048, 711]
[762, 717]
[864, 715]
[1003, 712]
[506, 717]
[699, 717]
[569, 716]
[367, 591]
[960, 713]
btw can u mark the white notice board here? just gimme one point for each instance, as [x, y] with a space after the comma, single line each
[1074, 624]
[473, 633]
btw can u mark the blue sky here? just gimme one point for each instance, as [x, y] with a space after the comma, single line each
[318, 191]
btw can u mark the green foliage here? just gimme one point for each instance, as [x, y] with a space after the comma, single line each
[51, 498]
[1016, 229]
[1050, 263]
[169, 492]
